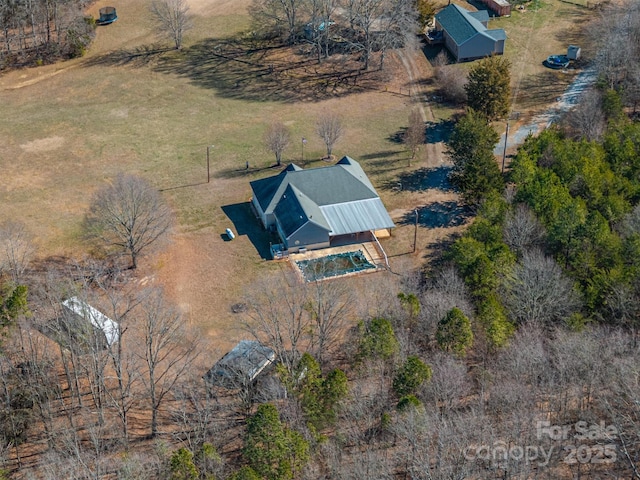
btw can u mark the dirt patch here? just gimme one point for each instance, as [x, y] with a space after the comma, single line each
[43, 144]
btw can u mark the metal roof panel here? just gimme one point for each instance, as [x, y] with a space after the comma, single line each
[359, 216]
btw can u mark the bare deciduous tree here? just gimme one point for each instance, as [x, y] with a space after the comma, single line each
[329, 128]
[124, 363]
[167, 351]
[330, 305]
[277, 138]
[617, 34]
[172, 19]
[522, 230]
[281, 16]
[587, 120]
[538, 291]
[364, 14]
[129, 215]
[445, 291]
[396, 28]
[277, 318]
[451, 79]
[449, 383]
[321, 24]
[16, 249]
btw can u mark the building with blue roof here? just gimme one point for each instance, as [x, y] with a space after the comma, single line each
[466, 34]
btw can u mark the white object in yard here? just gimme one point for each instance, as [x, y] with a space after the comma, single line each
[230, 234]
[573, 52]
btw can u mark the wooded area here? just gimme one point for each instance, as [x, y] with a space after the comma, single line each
[42, 31]
[514, 354]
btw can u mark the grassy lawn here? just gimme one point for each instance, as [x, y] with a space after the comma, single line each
[533, 35]
[132, 105]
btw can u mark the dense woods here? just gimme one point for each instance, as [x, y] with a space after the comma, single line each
[41, 31]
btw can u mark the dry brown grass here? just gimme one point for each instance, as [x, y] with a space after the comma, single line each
[130, 106]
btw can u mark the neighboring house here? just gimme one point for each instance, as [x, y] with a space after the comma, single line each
[84, 321]
[242, 365]
[466, 34]
[314, 208]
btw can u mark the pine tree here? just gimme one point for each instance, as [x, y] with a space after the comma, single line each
[475, 170]
[454, 332]
[488, 88]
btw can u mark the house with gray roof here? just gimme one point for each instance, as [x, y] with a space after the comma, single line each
[318, 207]
[466, 34]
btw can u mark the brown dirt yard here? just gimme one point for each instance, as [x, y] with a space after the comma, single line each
[130, 105]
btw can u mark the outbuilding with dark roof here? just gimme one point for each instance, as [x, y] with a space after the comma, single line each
[466, 34]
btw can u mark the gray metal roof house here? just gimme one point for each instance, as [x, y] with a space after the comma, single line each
[242, 365]
[311, 208]
[466, 34]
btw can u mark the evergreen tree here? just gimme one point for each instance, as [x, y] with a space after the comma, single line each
[245, 473]
[411, 375]
[182, 466]
[13, 303]
[318, 396]
[273, 451]
[475, 170]
[378, 339]
[454, 332]
[488, 88]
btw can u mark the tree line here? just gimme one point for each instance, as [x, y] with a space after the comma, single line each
[40, 31]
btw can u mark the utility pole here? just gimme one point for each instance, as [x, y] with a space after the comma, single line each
[208, 148]
[304, 140]
[415, 232]
[504, 152]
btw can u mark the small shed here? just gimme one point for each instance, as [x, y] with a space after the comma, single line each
[501, 8]
[80, 316]
[242, 365]
[573, 52]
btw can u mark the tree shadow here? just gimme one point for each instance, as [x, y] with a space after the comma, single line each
[242, 68]
[245, 223]
[398, 137]
[435, 132]
[421, 179]
[481, 6]
[432, 51]
[542, 88]
[380, 155]
[438, 215]
[436, 251]
[227, 173]
[138, 57]
[439, 131]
